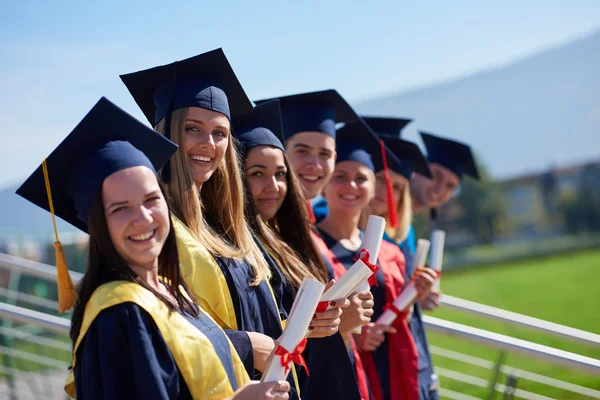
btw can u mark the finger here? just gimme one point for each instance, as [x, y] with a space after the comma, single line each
[325, 322]
[385, 328]
[329, 314]
[282, 386]
[366, 295]
[340, 303]
[368, 304]
[368, 312]
[329, 284]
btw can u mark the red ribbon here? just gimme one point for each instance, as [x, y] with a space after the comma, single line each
[363, 255]
[295, 356]
[322, 306]
[395, 310]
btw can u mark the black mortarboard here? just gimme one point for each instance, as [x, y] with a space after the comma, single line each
[260, 127]
[388, 125]
[455, 156]
[314, 112]
[206, 80]
[106, 140]
[410, 158]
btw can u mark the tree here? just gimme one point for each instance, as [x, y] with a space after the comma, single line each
[483, 206]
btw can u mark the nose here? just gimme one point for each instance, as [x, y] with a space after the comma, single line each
[205, 141]
[272, 185]
[312, 161]
[143, 217]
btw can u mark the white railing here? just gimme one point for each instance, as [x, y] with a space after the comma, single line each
[575, 361]
[520, 320]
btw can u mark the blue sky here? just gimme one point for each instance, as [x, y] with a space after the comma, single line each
[59, 58]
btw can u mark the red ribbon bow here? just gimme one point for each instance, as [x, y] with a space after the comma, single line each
[295, 356]
[363, 255]
[396, 310]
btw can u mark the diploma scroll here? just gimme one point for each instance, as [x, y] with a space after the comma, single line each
[436, 255]
[372, 244]
[410, 292]
[292, 341]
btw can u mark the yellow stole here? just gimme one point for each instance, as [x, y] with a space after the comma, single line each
[193, 352]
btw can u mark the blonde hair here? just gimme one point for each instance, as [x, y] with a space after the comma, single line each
[221, 197]
[404, 213]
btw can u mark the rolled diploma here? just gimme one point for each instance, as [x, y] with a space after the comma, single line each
[372, 243]
[348, 283]
[301, 314]
[410, 293]
[436, 254]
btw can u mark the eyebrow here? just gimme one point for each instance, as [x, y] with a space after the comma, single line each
[258, 166]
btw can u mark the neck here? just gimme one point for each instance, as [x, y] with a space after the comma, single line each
[148, 275]
[341, 225]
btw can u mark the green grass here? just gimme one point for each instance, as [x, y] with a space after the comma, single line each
[561, 289]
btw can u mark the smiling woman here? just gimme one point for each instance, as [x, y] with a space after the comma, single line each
[137, 331]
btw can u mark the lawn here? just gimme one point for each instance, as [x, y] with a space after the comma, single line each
[561, 289]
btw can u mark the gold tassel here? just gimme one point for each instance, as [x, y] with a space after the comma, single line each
[66, 291]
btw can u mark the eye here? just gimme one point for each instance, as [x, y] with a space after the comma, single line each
[325, 154]
[220, 133]
[117, 210]
[301, 151]
[257, 174]
[152, 199]
[280, 174]
[192, 128]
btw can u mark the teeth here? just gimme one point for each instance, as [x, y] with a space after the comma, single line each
[143, 236]
[349, 197]
[310, 178]
[201, 158]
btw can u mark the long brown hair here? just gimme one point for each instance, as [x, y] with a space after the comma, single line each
[105, 264]
[221, 197]
[288, 233]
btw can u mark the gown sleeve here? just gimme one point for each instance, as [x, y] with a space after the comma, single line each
[124, 356]
[243, 346]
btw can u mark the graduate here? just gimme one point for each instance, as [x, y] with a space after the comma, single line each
[448, 161]
[137, 331]
[277, 212]
[388, 352]
[192, 102]
[309, 121]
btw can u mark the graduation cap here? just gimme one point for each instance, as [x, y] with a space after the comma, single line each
[314, 112]
[260, 127]
[107, 140]
[206, 80]
[455, 156]
[410, 158]
[387, 125]
[356, 141]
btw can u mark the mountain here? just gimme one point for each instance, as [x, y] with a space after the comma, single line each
[526, 116]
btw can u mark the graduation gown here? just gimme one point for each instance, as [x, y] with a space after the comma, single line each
[338, 268]
[132, 347]
[331, 370]
[392, 368]
[222, 287]
[428, 381]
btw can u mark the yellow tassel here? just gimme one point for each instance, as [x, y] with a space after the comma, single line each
[66, 291]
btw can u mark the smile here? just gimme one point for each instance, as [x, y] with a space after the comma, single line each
[142, 237]
[201, 159]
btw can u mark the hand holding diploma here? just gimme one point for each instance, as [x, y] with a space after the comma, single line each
[411, 290]
[292, 341]
[326, 323]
